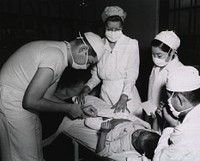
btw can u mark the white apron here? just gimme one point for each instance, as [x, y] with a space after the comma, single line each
[111, 92]
[15, 122]
[118, 70]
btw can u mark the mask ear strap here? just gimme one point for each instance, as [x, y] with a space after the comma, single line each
[81, 37]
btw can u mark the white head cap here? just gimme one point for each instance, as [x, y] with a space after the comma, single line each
[183, 79]
[169, 38]
[113, 11]
[96, 42]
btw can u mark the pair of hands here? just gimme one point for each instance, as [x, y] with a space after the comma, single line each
[162, 111]
[80, 111]
[121, 105]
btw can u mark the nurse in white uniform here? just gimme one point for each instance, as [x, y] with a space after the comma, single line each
[165, 58]
[119, 67]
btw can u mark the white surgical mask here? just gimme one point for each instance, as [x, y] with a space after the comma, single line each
[159, 62]
[74, 64]
[113, 36]
[173, 110]
[79, 66]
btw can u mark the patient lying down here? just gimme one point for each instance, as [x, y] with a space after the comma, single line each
[121, 132]
[110, 133]
[119, 135]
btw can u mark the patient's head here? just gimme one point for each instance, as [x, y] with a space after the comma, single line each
[145, 142]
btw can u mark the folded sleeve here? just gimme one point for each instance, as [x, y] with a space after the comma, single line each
[52, 58]
[94, 80]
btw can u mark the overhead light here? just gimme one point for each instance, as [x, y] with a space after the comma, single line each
[83, 3]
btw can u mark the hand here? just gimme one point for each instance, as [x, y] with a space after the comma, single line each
[172, 121]
[81, 96]
[159, 110]
[76, 112]
[90, 111]
[121, 105]
[105, 126]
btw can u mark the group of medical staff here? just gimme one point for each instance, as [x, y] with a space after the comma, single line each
[29, 78]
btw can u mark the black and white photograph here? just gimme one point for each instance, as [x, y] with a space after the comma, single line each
[99, 80]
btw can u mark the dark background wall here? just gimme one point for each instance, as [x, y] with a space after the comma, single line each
[28, 20]
[22, 21]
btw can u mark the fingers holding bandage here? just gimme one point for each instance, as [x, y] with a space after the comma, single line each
[90, 110]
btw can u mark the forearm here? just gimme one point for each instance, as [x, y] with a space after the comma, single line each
[57, 98]
[45, 105]
[101, 142]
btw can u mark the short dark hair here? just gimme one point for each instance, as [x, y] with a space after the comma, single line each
[150, 144]
[114, 19]
[161, 45]
[192, 96]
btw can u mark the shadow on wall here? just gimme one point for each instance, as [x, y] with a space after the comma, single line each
[5, 54]
[146, 65]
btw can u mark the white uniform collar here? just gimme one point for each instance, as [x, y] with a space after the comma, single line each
[194, 113]
[120, 41]
[170, 65]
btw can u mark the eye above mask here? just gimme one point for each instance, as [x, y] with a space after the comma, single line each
[161, 62]
[173, 110]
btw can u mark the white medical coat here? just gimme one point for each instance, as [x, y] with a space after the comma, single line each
[118, 70]
[184, 139]
[21, 129]
[157, 80]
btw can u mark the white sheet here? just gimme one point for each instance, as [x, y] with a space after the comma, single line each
[89, 137]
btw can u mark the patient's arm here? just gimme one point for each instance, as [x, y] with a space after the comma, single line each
[105, 128]
[115, 122]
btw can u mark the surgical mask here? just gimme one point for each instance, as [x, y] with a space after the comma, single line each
[113, 36]
[173, 110]
[78, 66]
[161, 62]
[74, 64]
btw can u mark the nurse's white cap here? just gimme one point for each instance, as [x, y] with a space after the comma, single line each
[183, 79]
[96, 42]
[113, 11]
[169, 38]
